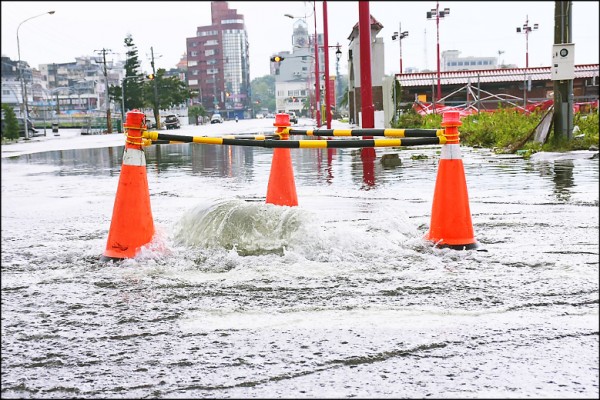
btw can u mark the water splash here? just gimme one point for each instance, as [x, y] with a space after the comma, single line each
[248, 227]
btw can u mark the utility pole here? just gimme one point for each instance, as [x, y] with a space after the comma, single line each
[563, 89]
[156, 112]
[105, 72]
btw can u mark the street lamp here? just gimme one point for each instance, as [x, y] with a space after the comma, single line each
[526, 29]
[23, 85]
[400, 35]
[326, 50]
[338, 57]
[437, 14]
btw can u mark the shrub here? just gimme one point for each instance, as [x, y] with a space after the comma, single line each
[10, 125]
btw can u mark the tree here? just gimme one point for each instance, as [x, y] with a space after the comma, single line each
[10, 125]
[196, 111]
[263, 93]
[133, 86]
[172, 90]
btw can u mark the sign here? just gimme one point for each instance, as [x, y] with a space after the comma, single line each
[563, 62]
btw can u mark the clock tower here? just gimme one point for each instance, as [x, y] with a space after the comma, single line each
[300, 36]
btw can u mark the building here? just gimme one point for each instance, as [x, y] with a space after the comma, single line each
[516, 85]
[377, 74]
[451, 61]
[77, 87]
[218, 65]
[295, 74]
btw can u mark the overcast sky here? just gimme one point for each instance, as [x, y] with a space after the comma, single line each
[474, 28]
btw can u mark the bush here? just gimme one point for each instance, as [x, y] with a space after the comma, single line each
[507, 128]
[10, 125]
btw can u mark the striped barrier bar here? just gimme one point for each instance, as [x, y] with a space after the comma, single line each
[295, 144]
[368, 132]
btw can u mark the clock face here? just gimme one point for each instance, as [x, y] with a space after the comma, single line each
[301, 41]
[564, 52]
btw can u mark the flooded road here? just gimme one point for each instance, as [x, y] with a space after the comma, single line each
[338, 297]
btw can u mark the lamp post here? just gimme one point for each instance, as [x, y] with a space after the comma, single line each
[338, 56]
[23, 84]
[400, 35]
[437, 14]
[326, 80]
[526, 29]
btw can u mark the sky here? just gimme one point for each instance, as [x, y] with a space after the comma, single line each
[479, 29]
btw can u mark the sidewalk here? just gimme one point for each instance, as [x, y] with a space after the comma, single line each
[66, 139]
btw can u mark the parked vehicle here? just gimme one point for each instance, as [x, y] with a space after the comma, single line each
[216, 119]
[293, 117]
[31, 127]
[172, 122]
[150, 122]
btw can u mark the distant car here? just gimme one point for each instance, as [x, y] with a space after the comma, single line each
[216, 119]
[293, 117]
[270, 115]
[31, 128]
[172, 122]
[150, 123]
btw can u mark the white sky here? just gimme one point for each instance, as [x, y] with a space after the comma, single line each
[474, 28]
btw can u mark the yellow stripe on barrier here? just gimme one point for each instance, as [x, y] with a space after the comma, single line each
[387, 142]
[207, 140]
[312, 144]
[393, 133]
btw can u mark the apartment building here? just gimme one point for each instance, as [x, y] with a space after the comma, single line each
[218, 65]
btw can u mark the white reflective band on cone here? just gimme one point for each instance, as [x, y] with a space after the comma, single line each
[134, 157]
[451, 152]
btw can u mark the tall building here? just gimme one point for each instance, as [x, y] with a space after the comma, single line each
[218, 63]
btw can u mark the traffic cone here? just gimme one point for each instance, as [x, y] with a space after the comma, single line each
[281, 190]
[451, 215]
[131, 226]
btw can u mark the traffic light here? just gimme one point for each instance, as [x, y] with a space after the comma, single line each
[150, 76]
[277, 59]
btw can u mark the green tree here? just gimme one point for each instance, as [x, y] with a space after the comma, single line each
[196, 111]
[10, 125]
[134, 94]
[263, 93]
[172, 91]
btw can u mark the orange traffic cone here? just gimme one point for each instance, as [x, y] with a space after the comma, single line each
[451, 215]
[282, 187]
[131, 226]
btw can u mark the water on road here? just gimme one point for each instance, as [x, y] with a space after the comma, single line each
[338, 297]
